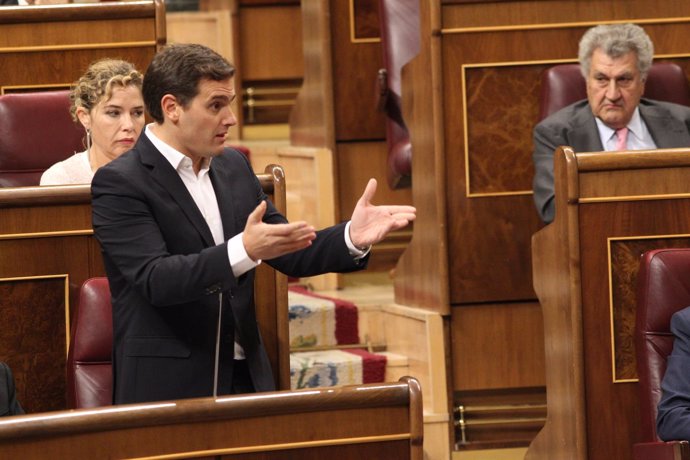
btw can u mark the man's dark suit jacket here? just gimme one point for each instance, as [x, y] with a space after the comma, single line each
[8, 396]
[574, 126]
[167, 275]
[673, 415]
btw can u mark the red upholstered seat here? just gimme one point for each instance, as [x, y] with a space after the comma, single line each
[89, 360]
[563, 85]
[399, 20]
[663, 288]
[36, 131]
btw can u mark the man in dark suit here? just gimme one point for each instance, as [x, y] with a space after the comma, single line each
[615, 60]
[183, 221]
[673, 415]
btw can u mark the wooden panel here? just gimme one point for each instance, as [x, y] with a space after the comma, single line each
[499, 155]
[471, 104]
[585, 274]
[309, 174]
[271, 43]
[367, 421]
[365, 20]
[421, 277]
[48, 251]
[27, 316]
[539, 12]
[497, 164]
[212, 29]
[624, 264]
[497, 149]
[52, 45]
[622, 220]
[312, 118]
[491, 350]
[356, 61]
[270, 292]
[357, 163]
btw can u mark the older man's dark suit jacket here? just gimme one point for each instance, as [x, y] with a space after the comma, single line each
[8, 394]
[574, 126]
[673, 415]
[167, 275]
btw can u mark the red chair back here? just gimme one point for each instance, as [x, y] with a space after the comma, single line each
[36, 131]
[663, 288]
[563, 85]
[89, 360]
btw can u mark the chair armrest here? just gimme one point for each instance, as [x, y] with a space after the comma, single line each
[670, 450]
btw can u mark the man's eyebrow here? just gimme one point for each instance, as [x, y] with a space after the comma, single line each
[223, 96]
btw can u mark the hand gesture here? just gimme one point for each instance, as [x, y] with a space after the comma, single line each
[370, 224]
[268, 241]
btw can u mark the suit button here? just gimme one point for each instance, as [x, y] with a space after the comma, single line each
[212, 289]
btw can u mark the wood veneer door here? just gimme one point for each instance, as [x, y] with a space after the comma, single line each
[613, 237]
[43, 262]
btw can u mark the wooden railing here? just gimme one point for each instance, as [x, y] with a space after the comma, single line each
[374, 421]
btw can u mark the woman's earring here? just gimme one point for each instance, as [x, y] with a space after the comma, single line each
[88, 139]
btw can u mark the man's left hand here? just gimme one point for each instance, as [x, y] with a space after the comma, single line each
[370, 224]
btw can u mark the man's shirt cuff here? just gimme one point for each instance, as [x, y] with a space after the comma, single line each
[240, 262]
[355, 252]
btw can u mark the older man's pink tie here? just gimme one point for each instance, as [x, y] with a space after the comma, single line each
[622, 139]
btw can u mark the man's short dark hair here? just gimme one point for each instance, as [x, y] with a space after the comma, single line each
[177, 69]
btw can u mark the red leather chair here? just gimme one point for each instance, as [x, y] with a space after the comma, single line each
[89, 359]
[563, 84]
[36, 131]
[399, 20]
[663, 288]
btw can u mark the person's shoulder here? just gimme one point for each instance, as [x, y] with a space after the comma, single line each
[68, 171]
[124, 168]
[566, 114]
[681, 320]
[663, 105]
[233, 157]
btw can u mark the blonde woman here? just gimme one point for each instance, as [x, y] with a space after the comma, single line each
[108, 102]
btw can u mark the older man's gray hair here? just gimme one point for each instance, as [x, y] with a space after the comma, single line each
[616, 40]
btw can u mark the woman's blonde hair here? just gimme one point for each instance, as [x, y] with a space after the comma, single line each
[98, 82]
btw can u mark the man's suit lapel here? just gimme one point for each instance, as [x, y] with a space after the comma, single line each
[584, 134]
[221, 179]
[667, 131]
[164, 174]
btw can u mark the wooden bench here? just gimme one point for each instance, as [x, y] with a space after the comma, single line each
[374, 421]
[48, 250]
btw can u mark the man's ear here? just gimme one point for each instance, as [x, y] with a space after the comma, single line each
[171, 107]
[84, 117]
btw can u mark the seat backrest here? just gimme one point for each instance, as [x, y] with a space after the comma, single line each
[663, 288]
[563, 84]
[36, 131]
[89, 360]
[400, 42]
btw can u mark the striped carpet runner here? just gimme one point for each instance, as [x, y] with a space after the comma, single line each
[320, 324]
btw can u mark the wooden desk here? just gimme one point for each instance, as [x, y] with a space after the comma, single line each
[610, 208]
[47, 250]
[471, 100]
[50, 46]
[374, 421]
